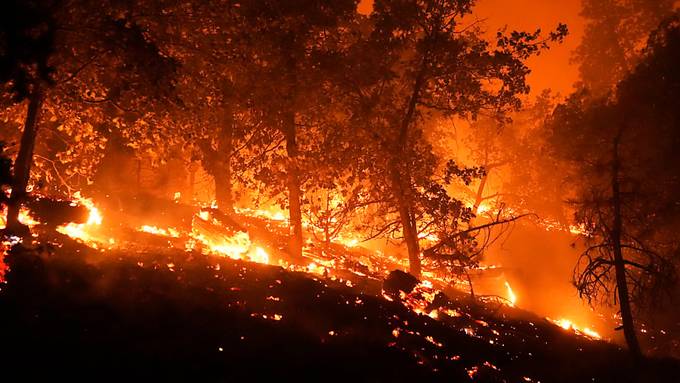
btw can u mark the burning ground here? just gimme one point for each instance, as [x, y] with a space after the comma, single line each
[143, 305]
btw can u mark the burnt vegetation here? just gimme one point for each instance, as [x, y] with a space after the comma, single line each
[324, 190]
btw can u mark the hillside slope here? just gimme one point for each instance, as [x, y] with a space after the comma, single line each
[74, 312]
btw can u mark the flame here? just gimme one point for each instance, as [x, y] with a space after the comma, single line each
[578, 229]
[483, 208]
[24, 218]
[234, 247]
[85, 232]
[316, 269]
[237, 246]
[347, 241]
[204, 215]
[512, 298]
[569, 325]
[260, 256]
[272, 214]
[169, 232]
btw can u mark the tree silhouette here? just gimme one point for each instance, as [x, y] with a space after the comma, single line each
[418, 61]
[621, 148]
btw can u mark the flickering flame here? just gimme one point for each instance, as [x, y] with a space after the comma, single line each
[85, 231]
[316, 269]
[169, 232]
[512, 298]
[272, 214]
[239, 246]
[24, 218]
[204, 215]
[234, 247]
[578, 229]
[569, 325]
[483, 208]
[260, 256]
[348, 241]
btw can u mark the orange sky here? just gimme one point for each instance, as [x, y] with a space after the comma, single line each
[552, 68]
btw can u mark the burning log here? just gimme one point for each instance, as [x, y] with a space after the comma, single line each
[54, 212]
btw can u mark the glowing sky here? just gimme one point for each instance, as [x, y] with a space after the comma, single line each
[552, 69]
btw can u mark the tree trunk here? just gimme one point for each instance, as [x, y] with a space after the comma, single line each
[24, 160]
[619, 265]
[407, 222]
[480, 194]
[403, 204]
[472, 290]
[294, 193]
[223, 181]
[223, 192]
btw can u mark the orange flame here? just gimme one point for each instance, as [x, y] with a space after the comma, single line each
[569, 325]
[512, 298]
[86, 232]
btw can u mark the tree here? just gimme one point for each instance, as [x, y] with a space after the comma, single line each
[27, 41]
[207, 39]
[296, 49]
[100, 64]
[518, 173]
[621, 149]
[615, 34]
[417, 62]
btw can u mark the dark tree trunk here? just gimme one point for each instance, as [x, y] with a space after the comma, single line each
[472, 290]
[293, 183]
[619, 264]
[223, 192]
[479, 198]
[24, 160]
[398, 179]
[223, 182]
[407, 222]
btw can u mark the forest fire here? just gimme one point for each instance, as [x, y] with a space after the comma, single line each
[512, 298]
[569, 325]
[169, 232]
[86, 232]
[382, 185]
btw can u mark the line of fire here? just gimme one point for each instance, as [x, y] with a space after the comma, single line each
[326, 190]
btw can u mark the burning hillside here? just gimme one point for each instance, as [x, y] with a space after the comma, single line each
[337, 301]
[357, 189]
[178, 314]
